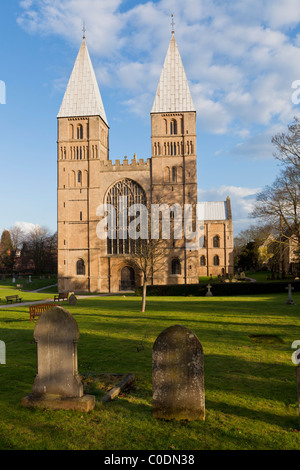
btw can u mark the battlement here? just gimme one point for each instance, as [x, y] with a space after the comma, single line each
[134, 164]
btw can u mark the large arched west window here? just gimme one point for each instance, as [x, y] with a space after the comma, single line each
[118, 240]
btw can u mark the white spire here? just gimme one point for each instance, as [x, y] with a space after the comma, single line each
[173, 92]
[82, 96]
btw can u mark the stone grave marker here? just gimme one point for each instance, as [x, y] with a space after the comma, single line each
[209, 293]
[178, 375]
[290, 301]
[57, 384]
[72, 299]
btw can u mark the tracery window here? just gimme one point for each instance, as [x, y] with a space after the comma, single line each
[118, 240]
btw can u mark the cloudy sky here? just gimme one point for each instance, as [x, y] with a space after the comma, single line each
[241, 59]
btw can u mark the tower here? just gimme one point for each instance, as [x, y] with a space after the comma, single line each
[82, 144]
[174, 157]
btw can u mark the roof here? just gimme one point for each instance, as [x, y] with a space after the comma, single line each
[82, 96]
[173, 92]
[213, 211]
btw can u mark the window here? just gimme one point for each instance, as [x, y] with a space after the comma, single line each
[80, 216]
[176, 266]
[118, 240]
[80, 268]
[216, 260]
[174, 174]
[202, 261]
[80, 132]
[79, 177]
[173, 127]
[216, 241]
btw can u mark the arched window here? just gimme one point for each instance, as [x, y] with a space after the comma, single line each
[202, 261]
[118, 240]
[80, 132]
[79, 177]
[176, 266]
[216, 260]
[216, 241]
[80, 268]
[173, 127]
[174, 174]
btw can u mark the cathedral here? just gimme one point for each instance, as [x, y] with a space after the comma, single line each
[88, 178]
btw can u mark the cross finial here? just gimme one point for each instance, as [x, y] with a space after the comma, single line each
[173, 24]
[84, 30]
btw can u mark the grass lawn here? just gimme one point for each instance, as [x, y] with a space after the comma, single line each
[250, 382]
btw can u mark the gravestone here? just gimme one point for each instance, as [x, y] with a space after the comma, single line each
[57, 384]
[209, 293]
[178, 375]
[290, 301]
[72, 299]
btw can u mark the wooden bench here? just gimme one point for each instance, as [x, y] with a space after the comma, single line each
[13, 298]
[36, 310]
[61, 296]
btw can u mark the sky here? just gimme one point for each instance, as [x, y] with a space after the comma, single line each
[241, 59]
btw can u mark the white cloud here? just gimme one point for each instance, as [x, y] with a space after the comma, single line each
[26, 227]
[242, 201]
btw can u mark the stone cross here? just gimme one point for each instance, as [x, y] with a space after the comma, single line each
[178, 375]
[290, 301]
[57, 384]
[209, 293]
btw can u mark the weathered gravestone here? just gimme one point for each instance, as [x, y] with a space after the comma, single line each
[72, 299]
[178, 375]
[57, 384]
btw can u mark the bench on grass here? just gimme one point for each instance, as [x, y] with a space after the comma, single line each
[13, 298]
[36, 310]
[61, 296]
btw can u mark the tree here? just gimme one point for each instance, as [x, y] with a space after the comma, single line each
[7, 252]
[41, 247]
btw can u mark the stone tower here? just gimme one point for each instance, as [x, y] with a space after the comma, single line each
[174, 155]
[82, 144]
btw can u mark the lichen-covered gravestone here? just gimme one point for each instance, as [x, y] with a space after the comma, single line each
[57, 384]
[178, 375]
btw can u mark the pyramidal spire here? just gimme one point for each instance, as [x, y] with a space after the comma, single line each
[173, 92]
[82, 96]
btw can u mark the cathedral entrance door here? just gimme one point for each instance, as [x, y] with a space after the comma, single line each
[127, 279]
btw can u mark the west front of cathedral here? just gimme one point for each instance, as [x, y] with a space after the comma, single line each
[87, 178]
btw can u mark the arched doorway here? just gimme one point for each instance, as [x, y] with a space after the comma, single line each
[127, 279]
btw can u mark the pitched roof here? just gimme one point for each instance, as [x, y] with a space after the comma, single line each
[213, 210]
[82, 96]
[173, 92]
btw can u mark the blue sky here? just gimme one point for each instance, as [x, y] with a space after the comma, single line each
[241, 59]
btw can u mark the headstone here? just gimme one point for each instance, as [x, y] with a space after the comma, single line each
[57, 384]
[178, 375]
[290, 301]
[209, 293]
[72, 299]
[242, 275]
[29, 279]
[13, 280]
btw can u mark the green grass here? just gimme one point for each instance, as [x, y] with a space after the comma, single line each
[250, 381]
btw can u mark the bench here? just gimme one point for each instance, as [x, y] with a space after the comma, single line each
[61, 296]
[36, 310]
[13, 298]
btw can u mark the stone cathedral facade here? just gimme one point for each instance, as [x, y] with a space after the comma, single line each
[87, 178]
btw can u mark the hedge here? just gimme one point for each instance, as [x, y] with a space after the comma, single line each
[222, 289]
